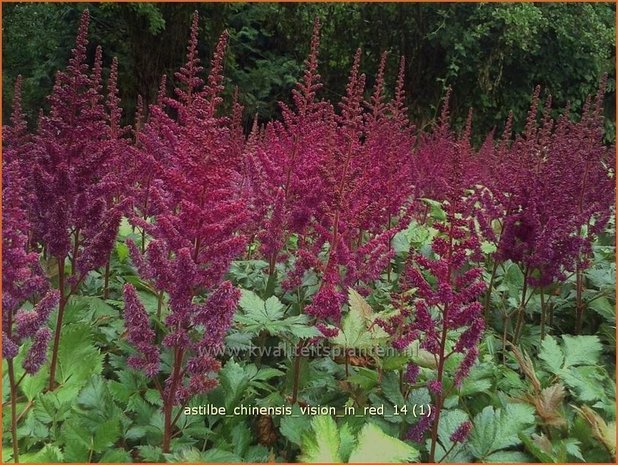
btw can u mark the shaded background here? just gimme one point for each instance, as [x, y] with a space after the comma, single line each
[491, 54]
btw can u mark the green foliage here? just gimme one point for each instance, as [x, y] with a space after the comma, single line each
[491, 54]
[326, 443]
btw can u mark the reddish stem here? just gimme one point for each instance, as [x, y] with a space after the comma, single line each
[61, 306]
[170, 399]
[441, 355]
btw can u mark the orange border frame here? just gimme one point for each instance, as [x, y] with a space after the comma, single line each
[290, 1]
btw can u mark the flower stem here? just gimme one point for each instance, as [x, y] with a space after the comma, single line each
[61, 306]
[441, 355]
[579, 301]
[106, 279]
[170, 400]
[13, 387]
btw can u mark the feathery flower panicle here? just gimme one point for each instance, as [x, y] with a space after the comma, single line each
[552, 183]
[194, 213]
[77, 186]
[444, 313]
[337, 182]
[22, 276]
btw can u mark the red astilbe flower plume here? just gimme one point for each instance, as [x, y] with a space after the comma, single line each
[554, 181]
[336, 182]
[194, 231]
[287, 163]
[444, 312]
[443, 162]
[22, 276]
[76, 180]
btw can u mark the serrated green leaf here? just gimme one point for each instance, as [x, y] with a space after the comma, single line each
[233, 381]
[390, 388]
[374, 446]
[355, 332]
[151, 454]
[153, 397]
[347, 442]
[78, 359]
[498, 429]
[321, 443]
[241, 438]
[106, 434]
[603, 307]
[292, 426]
[581, 350]
[551, 354]
[449, 422]
[76, 443]
[116, 456]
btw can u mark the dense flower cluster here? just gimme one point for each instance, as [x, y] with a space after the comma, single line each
[443, 312]
[22, 276]
[551, 190]
[338, 181]
[194, 229]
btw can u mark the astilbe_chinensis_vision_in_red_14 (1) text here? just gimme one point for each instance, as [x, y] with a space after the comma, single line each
[26, 299]
[194, 235]
[76, 184]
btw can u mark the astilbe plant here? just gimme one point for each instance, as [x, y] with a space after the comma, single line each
[286, 166]
[549, 193]
[438, 299]
[366, 174]
[22, 277]
[75, 184]
[335, 181]
[194, 235]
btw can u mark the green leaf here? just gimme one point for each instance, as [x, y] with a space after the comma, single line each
[347, 442]
[116, 456]
[151, 454]
[258, 315]
[106, 434]
[355, 332]
[78, 359]
[76, 443]
[374, 446]
[551, 354]
[488, 247]
[219, 456]
[194, 455]
[321, 444]
[603, 307]
[241, 437]
[508, 456]
[498, 429]
[48, 454]
[449, 422]
[233, 381]
[581, 350]
[436, 212]
[292, 426]
[33, 385]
